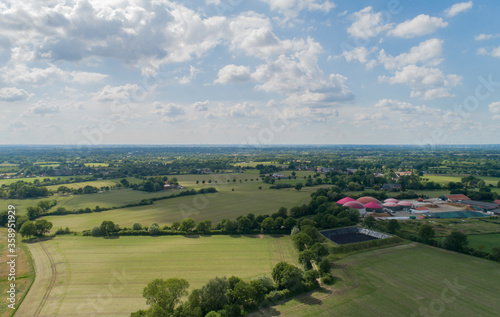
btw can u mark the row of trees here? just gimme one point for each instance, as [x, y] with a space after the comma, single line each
[221, 296]
[37, 228]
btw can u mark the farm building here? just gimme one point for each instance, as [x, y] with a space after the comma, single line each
[454, 198]
[356, 205]
[367, 199]
[419, 210]
[479, 205]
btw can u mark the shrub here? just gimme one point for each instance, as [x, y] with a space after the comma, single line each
[136, 226]
[154, 229]
[328, 279]
[96, 231]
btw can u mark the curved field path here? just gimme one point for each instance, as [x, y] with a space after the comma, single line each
[48, 269]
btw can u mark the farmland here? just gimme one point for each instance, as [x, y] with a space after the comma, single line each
[111, 273]
[484, 242]
[444, 179]
[25, 273]
[404, 281]
[246, 198]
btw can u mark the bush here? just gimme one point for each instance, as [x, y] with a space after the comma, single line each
[328, 279]
[136, 226]
[63, 231]
[96, 231]
[154, 229]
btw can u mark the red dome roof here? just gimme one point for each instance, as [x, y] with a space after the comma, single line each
[373, 205]
[367, 199]
[345, 200]
[354, 205]
[390, 204]
[405, 203]
[391, 200]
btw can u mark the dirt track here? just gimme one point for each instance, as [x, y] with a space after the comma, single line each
[47, 271]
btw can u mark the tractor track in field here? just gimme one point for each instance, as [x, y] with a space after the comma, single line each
[51, 283]
[280, 248]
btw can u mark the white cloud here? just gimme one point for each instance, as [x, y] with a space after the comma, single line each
[367, 24]
[300, 78]
[170, 112]
[115, 93]
[431, 94]
[482, 37]
[495, 109]
[360, 54]
[420, 25]
[201, 105]
[458, 8]
[495, 52]
[428, 52]
[14, 94]
[252, 34]
[424, 81]
[291, 8]
[233, 74]
[22, 75]
[193, 71]
[41, 108]
[403, 107]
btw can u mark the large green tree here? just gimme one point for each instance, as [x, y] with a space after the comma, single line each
[187, 224]
[164, 295]
[213, 296]
[28, 229]
[43, 226]
[108, 227]
[426, 233]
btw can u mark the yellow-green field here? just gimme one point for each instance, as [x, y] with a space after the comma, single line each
[106, 277]
[407, 280]
[444, 179]
[96, 183]
[246, 198]
[24, 272]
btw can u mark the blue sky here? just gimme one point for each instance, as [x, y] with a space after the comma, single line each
[249, 72]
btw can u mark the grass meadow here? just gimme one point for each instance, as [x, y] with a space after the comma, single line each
[484, 242]
[444, 179]
[246, 198]
[404, 281]
[24, 271]
[106, 276]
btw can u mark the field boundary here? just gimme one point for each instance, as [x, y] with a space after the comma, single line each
[32, 267]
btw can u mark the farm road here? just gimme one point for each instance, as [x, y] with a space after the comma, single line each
[43, 297]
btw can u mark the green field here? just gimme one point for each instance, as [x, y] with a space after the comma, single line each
[31, 179]
[246, 198]
[96, 183]
[96, 164]
[488, 241]
[402, 281]
[444, 179]
[24, 271]
[111, 273]
[443, 227]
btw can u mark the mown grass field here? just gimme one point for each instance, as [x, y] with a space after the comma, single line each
[31, 179]
[106, 276]
[487, 241]
[402, 281]
[246, 198]
[24, 272]
[443, 227]
[444, 179]
[96, 183]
